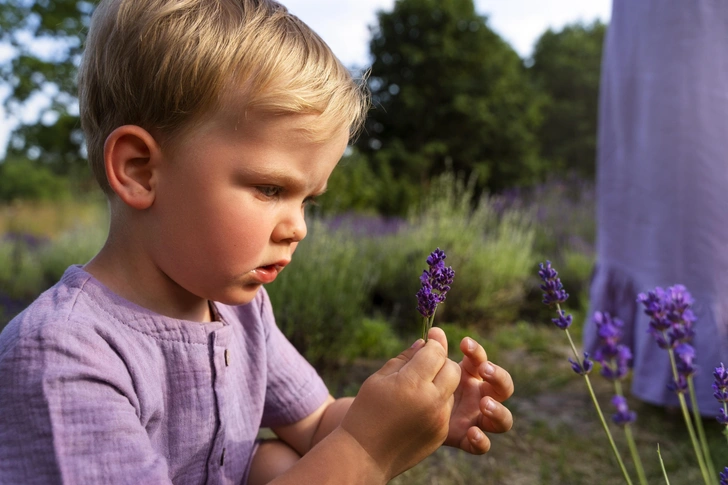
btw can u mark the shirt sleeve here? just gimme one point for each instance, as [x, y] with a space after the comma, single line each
[67, 413]
[294, 389]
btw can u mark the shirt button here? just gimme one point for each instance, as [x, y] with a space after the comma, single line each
[227, 357]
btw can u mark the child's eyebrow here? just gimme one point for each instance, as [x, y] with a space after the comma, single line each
[279, 177]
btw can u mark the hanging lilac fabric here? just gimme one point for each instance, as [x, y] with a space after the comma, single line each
[662, 181]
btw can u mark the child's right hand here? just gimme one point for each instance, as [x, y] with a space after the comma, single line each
[401, 413]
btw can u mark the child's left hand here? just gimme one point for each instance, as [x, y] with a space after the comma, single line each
[478, 401]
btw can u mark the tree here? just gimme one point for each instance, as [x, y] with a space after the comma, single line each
[448, 94]
[566, 67]
[45, 37]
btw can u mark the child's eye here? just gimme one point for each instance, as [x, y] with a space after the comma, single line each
[311, 200]
[269, 190]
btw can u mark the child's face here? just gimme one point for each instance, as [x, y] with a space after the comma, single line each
[229, 204]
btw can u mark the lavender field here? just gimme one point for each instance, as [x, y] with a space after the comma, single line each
[347, 302]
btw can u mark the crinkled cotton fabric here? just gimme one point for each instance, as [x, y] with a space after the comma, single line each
[662, 180]
[95, 389]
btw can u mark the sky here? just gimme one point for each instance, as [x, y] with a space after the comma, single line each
[344, 25]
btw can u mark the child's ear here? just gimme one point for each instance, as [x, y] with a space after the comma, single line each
[131, 158]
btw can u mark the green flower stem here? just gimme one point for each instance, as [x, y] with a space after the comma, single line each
[631, 443]
[427, 324]
[662, 465]
[599, 409]
[689, 425]
[699, 425]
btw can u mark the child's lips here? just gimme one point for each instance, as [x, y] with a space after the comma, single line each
[268, 273]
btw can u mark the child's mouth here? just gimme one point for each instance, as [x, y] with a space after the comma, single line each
[267, 273]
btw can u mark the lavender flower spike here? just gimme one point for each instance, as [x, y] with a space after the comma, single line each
[435, 282]
[552, 287]
[720, 392]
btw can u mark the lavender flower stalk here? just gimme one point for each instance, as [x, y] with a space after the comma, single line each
[720, 392]
[615, 359]
[554, 294]
[435, 283]
[671, 325]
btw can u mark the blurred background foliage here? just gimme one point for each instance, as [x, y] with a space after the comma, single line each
[448, 95]
[467, 147]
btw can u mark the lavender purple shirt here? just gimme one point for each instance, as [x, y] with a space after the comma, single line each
[95, 389]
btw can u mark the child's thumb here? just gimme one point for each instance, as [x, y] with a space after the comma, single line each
[395, 364]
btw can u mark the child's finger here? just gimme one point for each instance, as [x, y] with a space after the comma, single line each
[498, 383]
[475, 356]
[438, 334]
[448, 378]
[475, 441]
[496, 418]
[426, 363]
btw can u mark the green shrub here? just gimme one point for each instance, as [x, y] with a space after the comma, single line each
[373, 339]
[320, 299]
[23, 180]
[76, 246]
[491, 254]
[21, 273]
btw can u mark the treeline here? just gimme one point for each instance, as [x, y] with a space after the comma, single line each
[448, 94]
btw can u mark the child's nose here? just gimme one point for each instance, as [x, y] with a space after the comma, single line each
[293, 228]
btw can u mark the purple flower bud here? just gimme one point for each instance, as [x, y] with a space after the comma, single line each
[684, 356]
[563, 321]
[426, 302]
[616, 366]
[552, 287]
[722, 417]
[624, 415]
[436, 258]
[724, 476]
[720, 393]
[679, 386]
[721, 376]
[584, 367]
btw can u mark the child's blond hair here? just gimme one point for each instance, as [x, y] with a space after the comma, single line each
[164, 64]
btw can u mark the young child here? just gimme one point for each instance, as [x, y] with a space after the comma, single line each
[210, 124]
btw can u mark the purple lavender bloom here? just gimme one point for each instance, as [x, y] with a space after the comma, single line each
[684, 356]
[671, 319]
[720, 392]
[624, 415]
[435, 283]
[615, 366]
[679, 385]
[615, 358]
[563, 321]
[722, 417]
[426, 302]
[724, 476]
[720, 386]
[584, 367]
[552, 287]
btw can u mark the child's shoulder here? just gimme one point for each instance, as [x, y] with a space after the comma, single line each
[63, 308]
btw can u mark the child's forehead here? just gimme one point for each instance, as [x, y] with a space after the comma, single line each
[236, 119]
